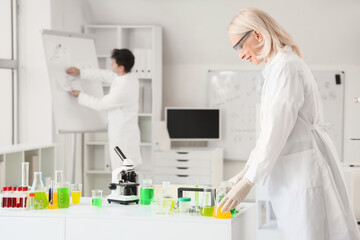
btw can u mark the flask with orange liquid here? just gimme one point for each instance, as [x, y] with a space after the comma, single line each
[222, 191]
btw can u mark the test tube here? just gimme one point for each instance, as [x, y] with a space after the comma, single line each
[25, 189]
[13, 199]
[4, 197]
[19, 199]
[24, 174]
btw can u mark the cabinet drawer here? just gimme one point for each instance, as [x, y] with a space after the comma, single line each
[185, 155]
[182, 171]
[182, 179]
[161, 162]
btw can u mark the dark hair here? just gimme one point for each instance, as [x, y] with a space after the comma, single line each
[123, 57]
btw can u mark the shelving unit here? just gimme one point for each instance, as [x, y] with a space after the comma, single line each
[145, 41]
[40, 158]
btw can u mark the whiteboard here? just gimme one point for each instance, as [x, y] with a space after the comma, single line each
[63, 50]
[237, 93]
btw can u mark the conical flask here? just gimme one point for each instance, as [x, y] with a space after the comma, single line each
[38, 188]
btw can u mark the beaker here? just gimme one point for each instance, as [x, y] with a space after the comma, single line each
[146, 192]
[76, 193]
[96, 198]
[25, 174]
[208, 202]
[39, 190]
[222, 191]
[63, 196]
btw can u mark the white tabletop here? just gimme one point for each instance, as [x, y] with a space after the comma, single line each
[116, 211]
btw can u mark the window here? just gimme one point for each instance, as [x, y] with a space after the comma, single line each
[8, 68]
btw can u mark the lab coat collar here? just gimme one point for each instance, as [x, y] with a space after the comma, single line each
[277, 56]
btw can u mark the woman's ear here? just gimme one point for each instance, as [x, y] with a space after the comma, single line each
[258, 36]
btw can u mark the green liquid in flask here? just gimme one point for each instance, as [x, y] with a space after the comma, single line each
[41, 200]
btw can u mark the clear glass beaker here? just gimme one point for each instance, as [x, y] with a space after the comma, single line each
[208, 202]
[25, 174]
[96, 198]
[224, 188]
[63, 196]
[39, 190]
[146, 192]
[76, 193]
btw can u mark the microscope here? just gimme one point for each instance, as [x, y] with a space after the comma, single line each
[123, 187]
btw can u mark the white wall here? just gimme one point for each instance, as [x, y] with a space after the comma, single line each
[34, 113]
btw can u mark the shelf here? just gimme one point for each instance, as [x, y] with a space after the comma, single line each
[145, 144]
[144, 114]
[98, 172]
[96, 143]
[102, 26]
[145, 41]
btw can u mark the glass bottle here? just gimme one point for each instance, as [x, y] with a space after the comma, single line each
[40, 198]
[222, 191]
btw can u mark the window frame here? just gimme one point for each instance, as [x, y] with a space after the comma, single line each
[13, 65]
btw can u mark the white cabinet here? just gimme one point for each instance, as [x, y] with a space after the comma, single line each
[40, 158]
[192, 165]
[145, 41]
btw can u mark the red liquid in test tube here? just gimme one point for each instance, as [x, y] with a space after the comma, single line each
[25, 189]
[13, 198]
[9, 197]
[19, 199]
[4, 202]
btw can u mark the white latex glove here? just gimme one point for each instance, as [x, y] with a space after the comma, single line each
[234, 180]
[236, 195]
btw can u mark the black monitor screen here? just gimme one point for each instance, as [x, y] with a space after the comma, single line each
[193, 123]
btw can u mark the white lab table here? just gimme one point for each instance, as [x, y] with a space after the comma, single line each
[114, 221]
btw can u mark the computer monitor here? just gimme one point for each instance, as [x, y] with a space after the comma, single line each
[193, 124]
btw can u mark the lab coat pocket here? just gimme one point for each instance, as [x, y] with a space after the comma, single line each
[302, 170]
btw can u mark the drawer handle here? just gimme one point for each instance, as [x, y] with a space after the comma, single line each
[182, 168]
[180, 175]
[182, 152]
[182, 160]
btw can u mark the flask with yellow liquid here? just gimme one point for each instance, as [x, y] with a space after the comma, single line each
[222, 191]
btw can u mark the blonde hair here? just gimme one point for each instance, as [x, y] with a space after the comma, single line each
[274, 36]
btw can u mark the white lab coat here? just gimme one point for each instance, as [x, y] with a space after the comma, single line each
[121, 104]
[295, 154]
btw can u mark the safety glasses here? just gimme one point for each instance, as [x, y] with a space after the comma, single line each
[237, 47]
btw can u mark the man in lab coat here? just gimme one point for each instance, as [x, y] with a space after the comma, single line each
[294, 152]
[121, 104]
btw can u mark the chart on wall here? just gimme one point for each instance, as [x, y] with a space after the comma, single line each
[63, 50]
[238, 93]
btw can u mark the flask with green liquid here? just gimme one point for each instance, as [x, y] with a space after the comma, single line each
[40, 198]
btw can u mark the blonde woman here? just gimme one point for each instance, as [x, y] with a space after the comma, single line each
[294, 152]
